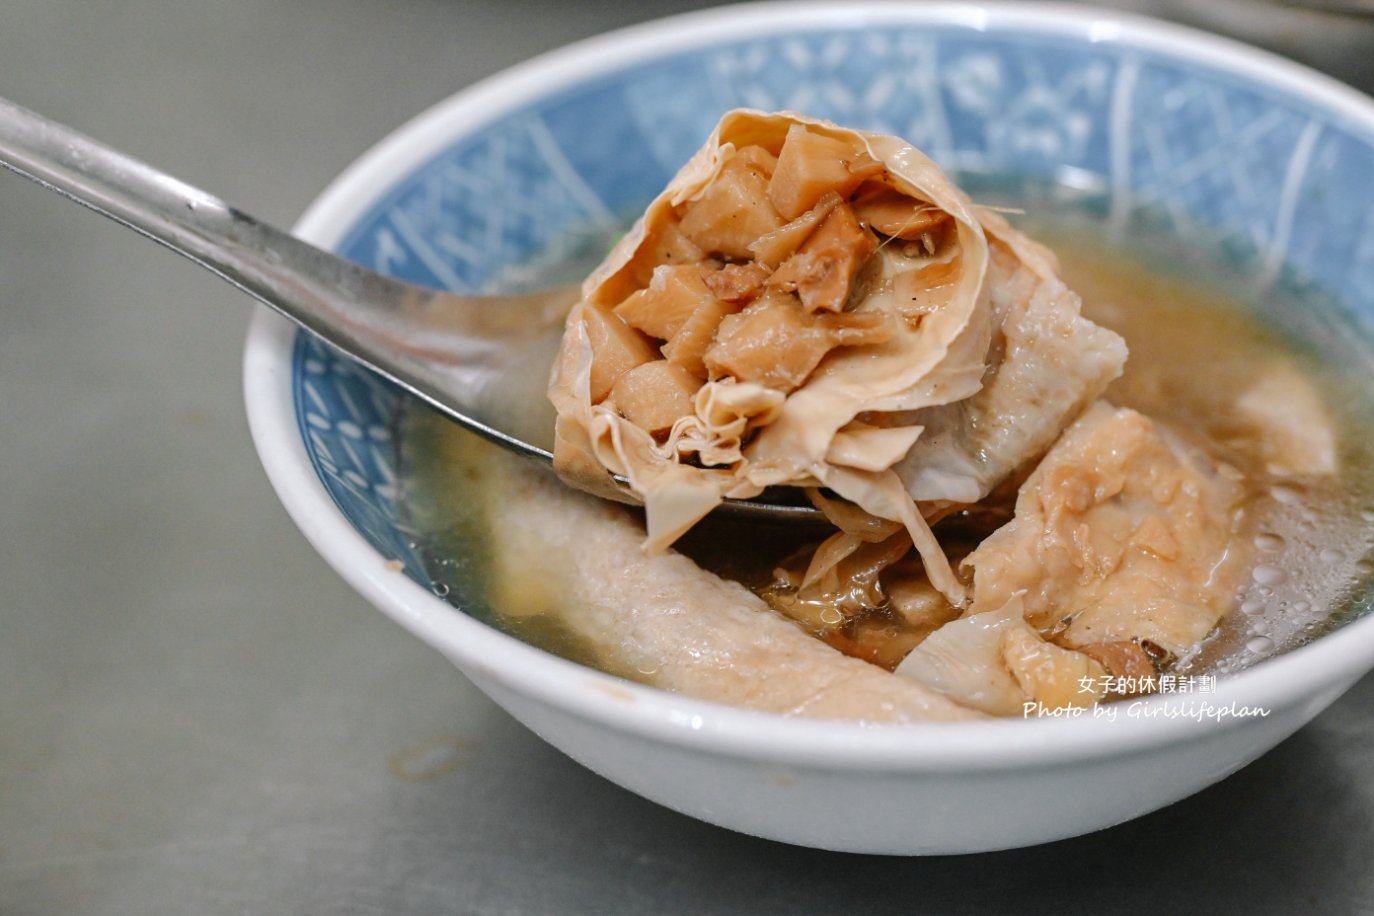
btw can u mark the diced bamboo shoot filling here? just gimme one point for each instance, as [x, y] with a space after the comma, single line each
[773, 248]
[772, 342]
[653, 395]
[688, 346]
[749, 279]
[669, 245]
[674, 293]
[811, 164]
[776, 343]
[733, 210]
[616, 349]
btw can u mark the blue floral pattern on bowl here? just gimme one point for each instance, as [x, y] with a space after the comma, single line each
[1139, 137]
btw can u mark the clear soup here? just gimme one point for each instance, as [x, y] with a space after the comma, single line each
[1197, 343]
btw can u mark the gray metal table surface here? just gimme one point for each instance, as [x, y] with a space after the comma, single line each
[197, 716]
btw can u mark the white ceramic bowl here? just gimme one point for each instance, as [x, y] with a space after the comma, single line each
[1115, 116]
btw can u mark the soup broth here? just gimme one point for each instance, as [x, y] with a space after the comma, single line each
[1196, 350]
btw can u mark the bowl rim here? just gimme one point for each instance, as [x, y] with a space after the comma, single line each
[1312, 675]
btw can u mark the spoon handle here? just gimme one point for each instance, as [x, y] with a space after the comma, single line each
[458, 353]
[253, 256]
[324, 293]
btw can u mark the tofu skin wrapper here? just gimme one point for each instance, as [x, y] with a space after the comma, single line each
[796, 308]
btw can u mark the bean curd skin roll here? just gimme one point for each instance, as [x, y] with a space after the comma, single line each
[810, 306]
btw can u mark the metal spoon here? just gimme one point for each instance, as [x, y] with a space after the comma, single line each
[482, 360]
